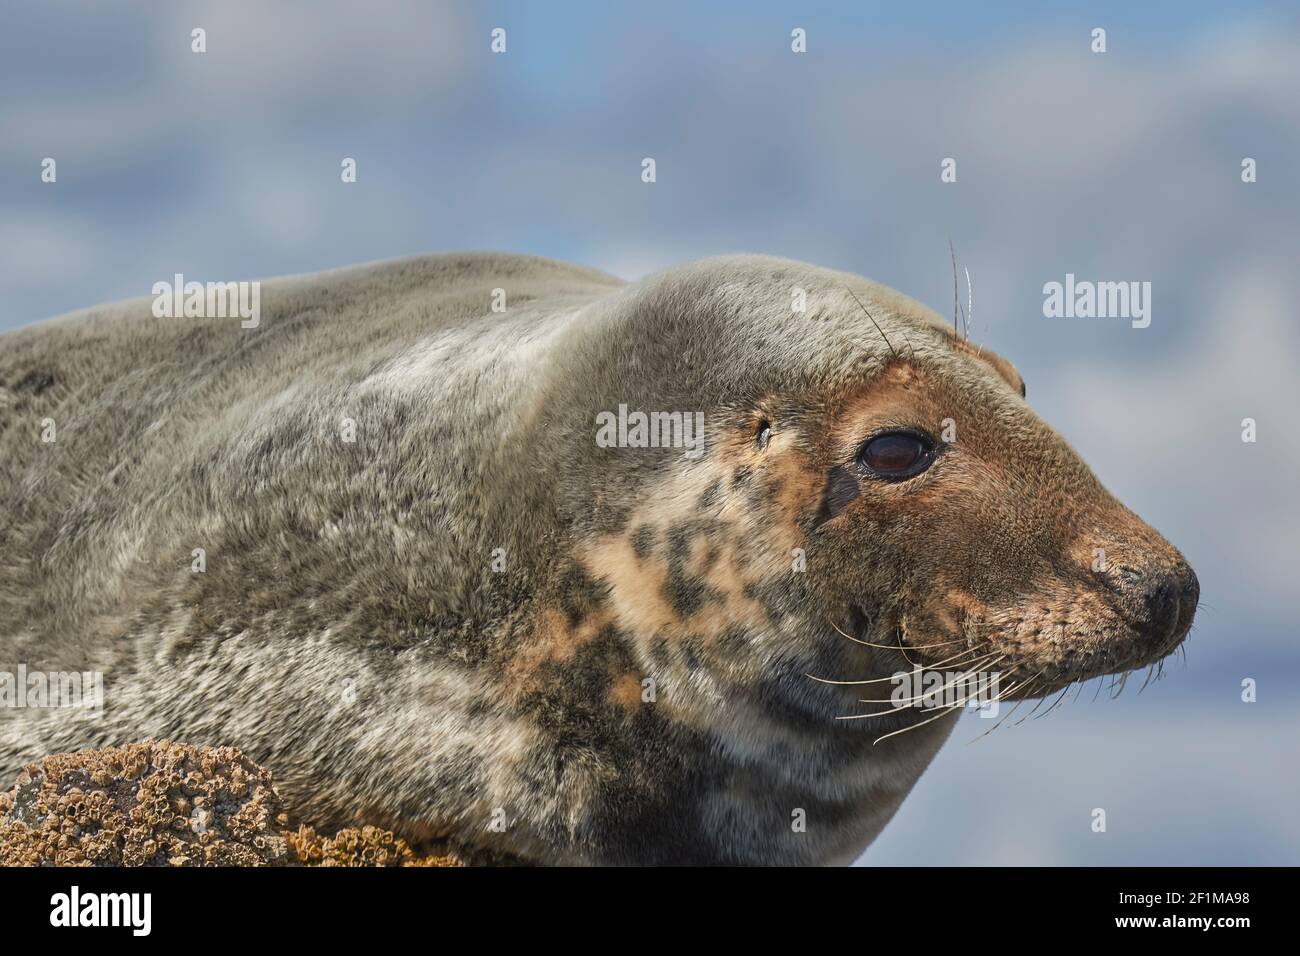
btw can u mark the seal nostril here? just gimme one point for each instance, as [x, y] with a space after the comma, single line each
[1162, 600]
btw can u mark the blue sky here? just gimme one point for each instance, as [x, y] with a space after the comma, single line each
[1115, 166]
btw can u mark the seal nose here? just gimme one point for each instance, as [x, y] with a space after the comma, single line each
[1161, 599]
[1167, 596]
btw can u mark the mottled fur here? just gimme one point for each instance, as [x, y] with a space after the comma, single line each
[351, 634]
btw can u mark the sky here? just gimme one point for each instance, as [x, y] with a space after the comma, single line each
[1116, 166]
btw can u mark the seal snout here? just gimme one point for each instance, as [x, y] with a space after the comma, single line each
[1160, 601]
[1157, 600]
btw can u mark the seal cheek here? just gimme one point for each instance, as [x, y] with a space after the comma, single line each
[840, 489]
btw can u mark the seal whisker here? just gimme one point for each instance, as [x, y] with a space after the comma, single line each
[952, 252]
[1101, 681]
[928, 720]
[882, 713]
[854, 683]
[890, 647]
[1002, 695]
[970, 299]
[948, 710]
[876, 680]
[1151, 669]
[902, 650]
[1056, 703]
[952, 683]
[873, 322]
[1027, 716]
[1012, 711]
[1077, 691]
[892, 712]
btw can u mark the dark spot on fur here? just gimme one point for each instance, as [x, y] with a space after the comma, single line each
[35, 382]
[771, 595]
[572, 706]
[733, 640]
[742, 556]
[710, 496]
[687, 594]
[578, 593]
[643, 541]
[740, 476]
[660, 652]
[692, 653]
[679, 543]
[841, 488]
[610, 518]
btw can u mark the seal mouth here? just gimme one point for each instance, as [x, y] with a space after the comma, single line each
[1114, 648]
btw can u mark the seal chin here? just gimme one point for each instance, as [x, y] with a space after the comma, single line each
[1064, 636]
[1094, 646]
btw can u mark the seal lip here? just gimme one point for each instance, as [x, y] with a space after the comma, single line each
[927, 458]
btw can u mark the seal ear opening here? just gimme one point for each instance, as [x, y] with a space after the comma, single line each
[840, 489]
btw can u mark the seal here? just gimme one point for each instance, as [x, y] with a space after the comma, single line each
[437, 542]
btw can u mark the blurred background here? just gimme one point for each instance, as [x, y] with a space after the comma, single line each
[1117, 166]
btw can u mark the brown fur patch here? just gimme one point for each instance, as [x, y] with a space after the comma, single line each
[750, 535]
[625, 692]
[554, 640]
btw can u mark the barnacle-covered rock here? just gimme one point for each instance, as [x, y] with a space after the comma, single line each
[366, 846]
[168, 804]
[150, 804]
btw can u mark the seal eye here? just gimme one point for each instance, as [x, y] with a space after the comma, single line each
[895, 456]
[763, 435]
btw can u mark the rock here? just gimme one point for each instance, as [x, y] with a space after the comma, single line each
[367, 846]
[168, 804]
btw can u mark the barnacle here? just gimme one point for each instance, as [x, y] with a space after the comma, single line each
[167, 804]
[366, 846]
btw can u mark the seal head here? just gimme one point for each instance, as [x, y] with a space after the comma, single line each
[866, 470]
